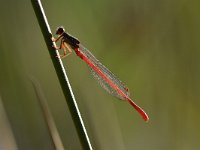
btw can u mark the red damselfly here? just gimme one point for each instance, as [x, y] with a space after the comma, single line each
[104, 76]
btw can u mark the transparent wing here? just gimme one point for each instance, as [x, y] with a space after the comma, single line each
[107, 73]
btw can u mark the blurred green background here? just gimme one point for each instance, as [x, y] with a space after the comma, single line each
[153, 46]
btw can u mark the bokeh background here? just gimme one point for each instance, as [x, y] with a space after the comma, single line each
[153, 46]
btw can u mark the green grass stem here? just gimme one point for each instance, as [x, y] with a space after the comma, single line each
[62, 76]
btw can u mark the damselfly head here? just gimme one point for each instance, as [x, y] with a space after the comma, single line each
[60, 30]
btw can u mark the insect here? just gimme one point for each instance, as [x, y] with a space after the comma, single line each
[104, 76]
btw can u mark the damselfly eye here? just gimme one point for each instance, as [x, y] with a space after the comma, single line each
[60, 30]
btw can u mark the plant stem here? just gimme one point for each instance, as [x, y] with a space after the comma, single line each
[62, 76]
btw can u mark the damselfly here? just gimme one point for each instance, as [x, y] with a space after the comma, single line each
[104, 76]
